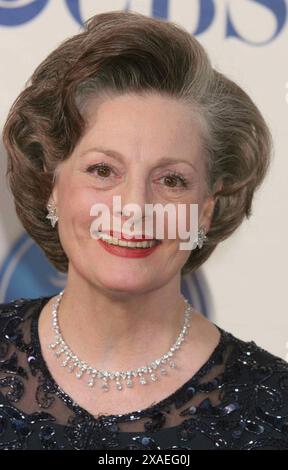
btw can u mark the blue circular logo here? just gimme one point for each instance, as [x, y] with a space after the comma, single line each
[27, 273]
[13, 12]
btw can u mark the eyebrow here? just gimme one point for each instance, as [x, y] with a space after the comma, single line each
[113, 153]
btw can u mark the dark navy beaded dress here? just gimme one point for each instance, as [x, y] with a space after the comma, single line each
[237, 400]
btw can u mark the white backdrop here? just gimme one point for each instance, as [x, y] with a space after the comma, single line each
[245, 280]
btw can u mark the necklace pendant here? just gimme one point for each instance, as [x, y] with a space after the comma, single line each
[154, 377]
[65, 362]
[105, 385]
[79, 374]
[71, 368]
[129, 383]
[91, 382]
[119, 385]
[172, 364]
[59, 352]
[142, 380]
[163, 371]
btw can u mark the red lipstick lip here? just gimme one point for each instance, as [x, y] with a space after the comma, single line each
[127, 252]
[121, 236]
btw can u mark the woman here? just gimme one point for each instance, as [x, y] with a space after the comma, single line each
[132, 107]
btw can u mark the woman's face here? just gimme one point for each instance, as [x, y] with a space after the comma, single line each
[141, 131]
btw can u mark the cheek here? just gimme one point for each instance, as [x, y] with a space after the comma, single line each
[76, 209]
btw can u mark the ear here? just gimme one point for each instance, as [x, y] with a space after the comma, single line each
[208, 208]
[54, 194]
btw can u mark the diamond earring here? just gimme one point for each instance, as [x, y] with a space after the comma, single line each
[201, 238]
[52, 214]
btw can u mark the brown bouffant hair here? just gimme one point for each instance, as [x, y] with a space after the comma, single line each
[123, 52]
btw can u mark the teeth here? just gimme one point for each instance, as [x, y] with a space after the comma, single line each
[116, 241]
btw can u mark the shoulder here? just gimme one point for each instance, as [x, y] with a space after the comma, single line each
[255, 386]
[17, 305]
[253, 356]
[16, 312]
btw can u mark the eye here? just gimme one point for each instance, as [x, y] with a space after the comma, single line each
[103, 170]
[172, 179]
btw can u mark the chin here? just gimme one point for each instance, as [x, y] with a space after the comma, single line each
[122, 281]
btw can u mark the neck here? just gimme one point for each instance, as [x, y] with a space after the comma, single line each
[119, 330]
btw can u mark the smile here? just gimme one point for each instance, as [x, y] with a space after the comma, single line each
[129, 249]
[127, 244]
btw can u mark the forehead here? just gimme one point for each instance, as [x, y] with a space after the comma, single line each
[142, 123]
[141, 112]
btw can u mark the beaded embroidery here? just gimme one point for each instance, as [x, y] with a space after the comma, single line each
[237, 400]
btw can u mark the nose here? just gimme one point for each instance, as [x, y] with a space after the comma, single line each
[135, 196]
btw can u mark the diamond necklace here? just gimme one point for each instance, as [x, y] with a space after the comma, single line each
[82, 369]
